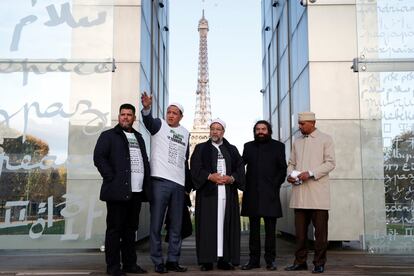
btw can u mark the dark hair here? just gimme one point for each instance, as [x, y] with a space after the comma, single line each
[127, 106]
[264, 122]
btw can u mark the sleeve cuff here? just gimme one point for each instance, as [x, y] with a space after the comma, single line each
[146, 112]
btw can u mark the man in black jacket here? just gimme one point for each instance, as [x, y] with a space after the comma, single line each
[265, 172]
[122, 161]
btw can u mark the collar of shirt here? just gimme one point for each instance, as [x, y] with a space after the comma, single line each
[313, 134]
[217, 144]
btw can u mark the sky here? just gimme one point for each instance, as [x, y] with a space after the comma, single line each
[234, 55]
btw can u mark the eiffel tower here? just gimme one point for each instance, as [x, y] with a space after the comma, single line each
[202, 117]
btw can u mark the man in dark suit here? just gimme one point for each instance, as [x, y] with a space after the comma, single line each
[265, 172]
[122, 161]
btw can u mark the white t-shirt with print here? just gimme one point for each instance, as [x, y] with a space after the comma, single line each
[137, 164]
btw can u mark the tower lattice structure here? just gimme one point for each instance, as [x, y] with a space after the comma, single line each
[201, 131]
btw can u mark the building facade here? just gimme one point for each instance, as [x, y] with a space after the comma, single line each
[65, 68]
[350, 62]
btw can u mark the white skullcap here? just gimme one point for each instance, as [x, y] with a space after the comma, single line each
[219, 121]
[179, 106]
[306, 116]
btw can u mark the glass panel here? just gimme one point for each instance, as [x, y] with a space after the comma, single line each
[266, 99]
[275, 124]
[55, 73]
[283, 75]
[283, 36]
[284, 120]
[385, 30]
[387, 156]
[273, 92]
[300, 97]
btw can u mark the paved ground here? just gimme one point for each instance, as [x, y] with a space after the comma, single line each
[345, 260]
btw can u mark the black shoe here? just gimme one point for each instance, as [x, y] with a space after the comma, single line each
[115, 272]
[250, 265]
[174, 266]
[296, 267]
[271, 266]
[223, 265]
[318, 269]
[134, 269]
[160, 268]
[206, 267]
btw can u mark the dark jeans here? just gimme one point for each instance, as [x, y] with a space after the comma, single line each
[319, 219]
[270, 239]
[122, 220]
[166, 194]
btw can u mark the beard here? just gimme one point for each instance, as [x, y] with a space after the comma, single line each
[125, 126]
[262, 138]
[216, 139]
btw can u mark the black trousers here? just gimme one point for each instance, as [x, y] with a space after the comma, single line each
[270, 239]
[121, 224]
[319, 219]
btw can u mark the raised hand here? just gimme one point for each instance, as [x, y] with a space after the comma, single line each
[146, 100]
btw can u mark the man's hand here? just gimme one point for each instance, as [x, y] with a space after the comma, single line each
[220, 179]
[227, 179]
[146, 100]
[291, 180]
[216, 178]
[304, 176]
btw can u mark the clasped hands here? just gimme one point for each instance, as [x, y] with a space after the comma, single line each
[303, 176]
[220, 179]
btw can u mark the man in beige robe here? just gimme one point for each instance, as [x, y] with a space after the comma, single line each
[311, 160]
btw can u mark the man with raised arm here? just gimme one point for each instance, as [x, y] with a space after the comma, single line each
[169, 181]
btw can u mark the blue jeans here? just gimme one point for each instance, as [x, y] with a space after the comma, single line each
[166, 194]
